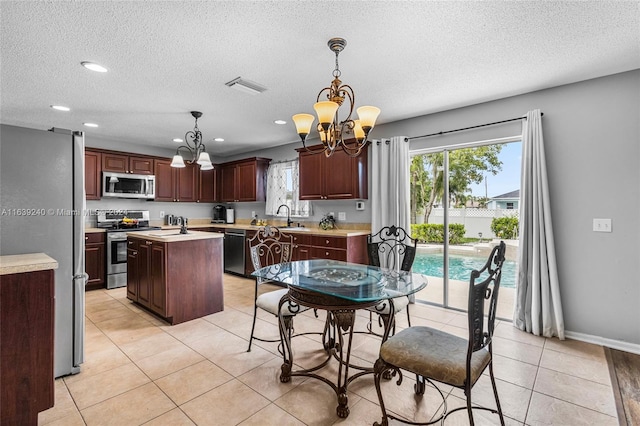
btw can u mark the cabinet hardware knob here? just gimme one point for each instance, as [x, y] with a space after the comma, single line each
[86, 238]
[327, 241]
[326, 253]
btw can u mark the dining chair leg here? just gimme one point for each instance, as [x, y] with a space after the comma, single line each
[380, 369]
[253, 326]
[467, 393]
[408, 316]
[495, 393]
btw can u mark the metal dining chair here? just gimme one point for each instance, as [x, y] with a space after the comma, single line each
[392, 248]
[434, 355]
[270, 246]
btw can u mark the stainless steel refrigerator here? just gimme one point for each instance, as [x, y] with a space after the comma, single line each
[43, 203]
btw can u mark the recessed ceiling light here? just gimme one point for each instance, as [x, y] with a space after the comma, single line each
[280, 122]
[90, 124]
[93, 66]
[219, 139]
[178, 140]
[60, 108]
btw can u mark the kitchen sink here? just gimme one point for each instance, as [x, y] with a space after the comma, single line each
[295, 228]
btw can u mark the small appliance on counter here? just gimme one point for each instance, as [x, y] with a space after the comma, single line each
[231, 216]
[219, 214]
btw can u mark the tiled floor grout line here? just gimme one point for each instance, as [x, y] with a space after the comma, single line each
[238, 302]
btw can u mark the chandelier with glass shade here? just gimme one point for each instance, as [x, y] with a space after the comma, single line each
[350, 135]
[194, 148]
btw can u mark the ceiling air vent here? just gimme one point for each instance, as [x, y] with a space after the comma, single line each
[246, 86]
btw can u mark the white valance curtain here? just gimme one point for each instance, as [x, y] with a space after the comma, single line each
[283, 187]
[538, 307]
[390, 183]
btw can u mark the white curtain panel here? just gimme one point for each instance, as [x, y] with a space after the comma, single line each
[538, 308]
[277, 189]
[390, 183]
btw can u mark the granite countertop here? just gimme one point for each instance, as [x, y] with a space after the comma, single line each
[173, 235]
[297, 230]
[90, 230]
[20, 263]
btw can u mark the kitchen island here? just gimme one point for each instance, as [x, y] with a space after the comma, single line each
[26, 337]
[176, 276]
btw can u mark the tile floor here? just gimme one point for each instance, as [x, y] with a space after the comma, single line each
[139, 370]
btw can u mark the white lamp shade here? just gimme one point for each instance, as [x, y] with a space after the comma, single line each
[357, 130]
[177, 161]
[326, 111]
[206, 166]
[368, 116]
[204, 159]
[303, 123]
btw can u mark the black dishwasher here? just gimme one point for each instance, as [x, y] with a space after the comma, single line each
[234, 242]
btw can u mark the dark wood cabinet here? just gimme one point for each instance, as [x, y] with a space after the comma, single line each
[95, 260]
[347, 249]
[313, 246]
[92, 174]
[207, 186]
[145, 274]
[26, 346]
[179, 281]
[176, 184]
[133, 274]
[122, 163]
[338, 177]
[244, 180]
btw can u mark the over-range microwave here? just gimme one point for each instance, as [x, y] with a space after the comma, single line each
[125, 185]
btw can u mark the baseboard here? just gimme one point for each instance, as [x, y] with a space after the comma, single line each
[603, 341]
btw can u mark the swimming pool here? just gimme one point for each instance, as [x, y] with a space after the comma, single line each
[460, 267]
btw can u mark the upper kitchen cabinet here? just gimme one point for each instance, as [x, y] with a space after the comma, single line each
[176, 184]
[244, 180]
[122, 163]
[338, 177]
[92, 173]
[207, 185]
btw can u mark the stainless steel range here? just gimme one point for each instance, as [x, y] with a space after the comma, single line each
[118, 223]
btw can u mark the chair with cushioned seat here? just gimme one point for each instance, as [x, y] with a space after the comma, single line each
[270, 246]
[434, 355]
[390, 248]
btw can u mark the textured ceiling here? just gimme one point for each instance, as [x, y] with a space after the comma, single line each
[408, 58]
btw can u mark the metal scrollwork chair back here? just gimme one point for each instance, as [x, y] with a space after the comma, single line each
[270, 246]
[434, 355]
[392, 248]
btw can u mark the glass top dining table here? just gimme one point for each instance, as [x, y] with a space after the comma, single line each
[354, 282]
[340, 288]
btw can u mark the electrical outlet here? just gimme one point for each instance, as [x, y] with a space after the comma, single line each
[601, 225]
[253, 214]
[162, 213]
[342, 216]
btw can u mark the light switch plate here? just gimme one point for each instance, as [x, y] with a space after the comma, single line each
[342, 216]
[602, 225]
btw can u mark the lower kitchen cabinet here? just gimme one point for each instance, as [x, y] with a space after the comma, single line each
[95, 255]
[26, 346]
[345, 248]
[179, 281]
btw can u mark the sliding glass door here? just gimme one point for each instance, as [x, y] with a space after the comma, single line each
[463, 200]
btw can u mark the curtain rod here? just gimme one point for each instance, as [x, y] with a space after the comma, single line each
[282, 161]
[468, 128]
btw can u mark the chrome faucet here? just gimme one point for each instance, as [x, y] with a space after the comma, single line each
[289, 221]
[183, 226]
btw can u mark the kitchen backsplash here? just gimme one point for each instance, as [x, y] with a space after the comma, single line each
[242, 210]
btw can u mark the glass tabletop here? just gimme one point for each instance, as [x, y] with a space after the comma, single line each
[351, 281]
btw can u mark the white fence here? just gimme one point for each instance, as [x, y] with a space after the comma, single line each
[475, 221]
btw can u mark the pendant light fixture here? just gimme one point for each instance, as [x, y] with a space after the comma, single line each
[195, 148]
[349, 135]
